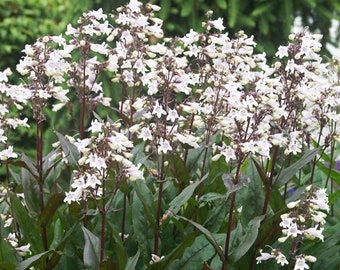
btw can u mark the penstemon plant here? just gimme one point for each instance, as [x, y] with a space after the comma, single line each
[187, 152]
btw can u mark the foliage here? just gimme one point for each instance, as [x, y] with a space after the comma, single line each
[198, 154]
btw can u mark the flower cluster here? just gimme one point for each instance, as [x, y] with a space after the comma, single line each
[44, 65]
[12, 98]
[12, 238]
[107, 150]
[305, 219]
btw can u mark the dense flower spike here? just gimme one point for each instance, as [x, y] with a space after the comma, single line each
[107, 150]
[300, 223]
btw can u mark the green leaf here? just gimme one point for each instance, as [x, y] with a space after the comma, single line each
[34, 260]
[290, 172]
[142, 230]
[176, 204]
[176, 253]
[260, 9]
[334, 174]
[91, 249]
[187, 8]
[232, 12]
[29, 165]
[146, 198]
[31, 192]
[70, 150]
[197, 254]
[120, 251]
[179, 170]
[26, 223]
[222, 4]
[276, 201]
[7, 256]
[132, 262]
[247, 240]
[253, 193]
[58, 244]
[208, 235]
[50, 208]
[270, 230]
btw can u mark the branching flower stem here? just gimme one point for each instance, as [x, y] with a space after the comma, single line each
[39, 146]
[270, 180]
[230, 218]
[159, 205]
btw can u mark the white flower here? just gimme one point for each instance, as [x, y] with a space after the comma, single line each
[97, 14]
[227, 152]
[281, 259]
[164, 146]
[286, 221]
[158, 110]
[293, 204]
[145, 134]
[172, 115]
[96, 126]
[134, 172]
[155, 258]
[314, 232]
[96, 162]
[134, 5]
[300, 264]
[23, 250]
[282, 51]
[292, 230]
[218, 24]
[264, 256]
[8, 153]
[92, 181]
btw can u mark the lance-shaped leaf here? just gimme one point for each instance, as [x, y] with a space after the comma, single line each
[132, 262]
[50, 208]
[196, 255]
[120, 250]
[27, 224]
[146, 198]
[70, 150]
[247, 240]
[208, 235]
[289, 172]
[34, 260]
[176, 204]
[91, 249]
